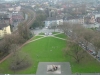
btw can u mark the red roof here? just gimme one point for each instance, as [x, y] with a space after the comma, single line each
[16, 17]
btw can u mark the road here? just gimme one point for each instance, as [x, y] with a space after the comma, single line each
[44, 30]
[30, 19]
[29, 22]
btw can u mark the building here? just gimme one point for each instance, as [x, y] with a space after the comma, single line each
[90, 19]
[7, 18]
[17, 17]
[4, 28]
[15, 8]
[91, 25]
[51, 20]
[97, 18]
[74, 19]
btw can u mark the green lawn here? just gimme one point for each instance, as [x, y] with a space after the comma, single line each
[49, 49]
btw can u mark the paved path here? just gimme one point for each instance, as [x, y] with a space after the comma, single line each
[58, 38]
[47, 36]
[37, 39]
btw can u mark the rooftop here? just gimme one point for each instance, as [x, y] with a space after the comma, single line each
[53, 18]
[3, 24]
[5, 16]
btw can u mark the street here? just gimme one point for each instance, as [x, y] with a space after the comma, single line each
[44, 30]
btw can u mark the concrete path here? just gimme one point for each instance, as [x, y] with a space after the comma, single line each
[47, 36]
[58, 38]
[37, 39]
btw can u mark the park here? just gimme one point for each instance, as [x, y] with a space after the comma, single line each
[43, 48]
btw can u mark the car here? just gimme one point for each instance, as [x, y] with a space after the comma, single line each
[46, 27]
[46, 34]
[79, 43]
[84, 47]
[82, 44]
[90, 51]
[50, 33]
[93, 53]
[98, 58]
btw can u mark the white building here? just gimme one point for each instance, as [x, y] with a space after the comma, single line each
[51, 20]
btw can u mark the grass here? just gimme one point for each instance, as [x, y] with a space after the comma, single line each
[49, 49]
[89, 65]
[61, 36]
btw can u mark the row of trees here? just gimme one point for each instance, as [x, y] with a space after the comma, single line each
[10, 44]
[39, 21]
[18, 38]
[79, 34]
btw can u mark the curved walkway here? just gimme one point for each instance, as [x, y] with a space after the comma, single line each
[47, 36]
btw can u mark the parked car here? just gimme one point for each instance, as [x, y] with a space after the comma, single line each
[93, 53]
[46, 27]
[79, 43]
[84, 47]
[98, 58]
[50, 33]
[46, 34]
[90, 51]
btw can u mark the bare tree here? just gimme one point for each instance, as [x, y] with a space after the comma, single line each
[88, 35]
[24, 32]
[74, 51]
[96, 43]
[19, 60]
[66, 27]
[53, 25]
[5, 44]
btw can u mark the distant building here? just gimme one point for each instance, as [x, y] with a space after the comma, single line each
[7, 18]
[17, 17]
[51, 20]
[4, 29]
[97, 18]
[15, 8]
[90, 19]
[91, 25]
[74, 19]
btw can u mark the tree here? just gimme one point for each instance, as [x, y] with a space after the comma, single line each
[24, 32]
[41, 16]
[96, 43]
[19, 60]
[74, 51]
[53, 25]
[5, 44]
[66, 27]
[87, 35]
